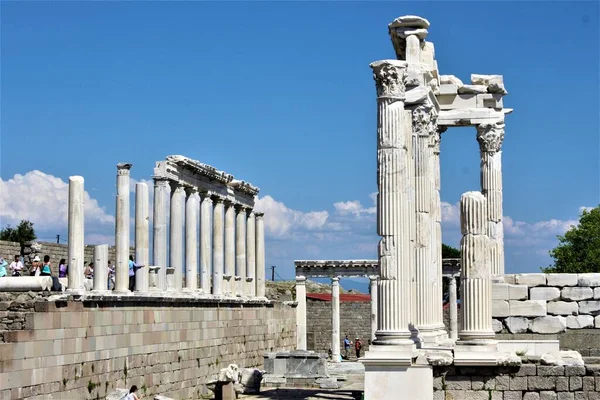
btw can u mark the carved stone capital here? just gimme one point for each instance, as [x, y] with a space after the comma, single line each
[424, 121]
[259, 215]
[176, 187]
[389, 76]
[161, 181]
[300, 280]
[191, 190]
[217, 199]
[123, 168]
[490, 137]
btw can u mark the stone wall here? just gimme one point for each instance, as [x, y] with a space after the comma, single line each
[546, 303]
[56, 252]
[172, 347]
[355, 321]
[527, 382]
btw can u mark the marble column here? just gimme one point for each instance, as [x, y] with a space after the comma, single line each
[240, 250]
[159, 228]
[218, 255]
[490, 138]
[76, 233]
[301, 313]
[192, 207]
[453, 305]
[142, 238]
[436, 248]
[373, 291]
[122, 229]
[260, 255]
[229, 276]
[206, 212]
[394, 186]
[250, 289]
[101, 268]
[176, 235]
[335, 318]
[476, 279]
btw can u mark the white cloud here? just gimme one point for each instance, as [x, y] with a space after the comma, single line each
[280, 220]
[585, 208]
[353, 207]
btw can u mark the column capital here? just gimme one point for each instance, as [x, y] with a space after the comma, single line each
[259, 215]
[217, 199]
[300, 280]
[206, 198]
[335, 280]
[424, 121]
[160, 181]
[191, 190]
[176, 187]
[240, 208]
[250, 212]
[373, 278]
[490, 136]
[123, 168]
[389, 76]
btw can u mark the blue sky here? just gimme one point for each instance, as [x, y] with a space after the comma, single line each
[280, 94]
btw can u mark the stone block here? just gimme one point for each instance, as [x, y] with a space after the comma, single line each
[467, 394]
[512, 395]
[500, 308]
[548, 324]
[588, 383]
[562, 308]
[541, 382]
[580, 321]
[448, 88]
[509, 278]
[518, 383]
[544, 293]
[577, 293]
[439, 395]
[531, 396]
[517, 324]
[527, 370]
[497, 326]
[574, 370]
[502, 382]
[472, 89]
[597, 321]
[547, 395]
[581, 396]
[561, 280]
[527, 308]
[591, 279]
[575, 383]
[531, 279]
[589, 307]
[505, 291]
[565, 396]
[438, 383]
[562, 384]
[458, 382]
[550, 370]
[597, 293]
[489, 100]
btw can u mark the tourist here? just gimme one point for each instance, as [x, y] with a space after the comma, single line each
[62, 268]
[89, 271]
[46, 270]
[132, 395]
[347, 344]
[3, 265]
[35, 266]
[131, 274]
[357, 347]
[16, 267]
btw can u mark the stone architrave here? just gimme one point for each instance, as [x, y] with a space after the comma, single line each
[228, 277]
[142, 236]
[101, 268]
[260, 255]
[393, 161]
[176, 241]
[192, 208]
[490, 137]
[335, 319]
[76, 232]
[373, 292]
[122, 229]
[250, 288]
[240, 251]
[206, 212]
[301, 313]
[218, 254]
[160, 234]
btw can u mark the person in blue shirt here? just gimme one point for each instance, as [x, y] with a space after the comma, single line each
[46, 271]
[3, 265]
[347, 344]
[131, 274]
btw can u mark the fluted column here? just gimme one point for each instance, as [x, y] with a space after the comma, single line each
[76, 233]
[335, 318]
[101, 268]
[453, 308]
[142, 236]
[250, 289]
[436, 247]
[122, 229]
[301, 313]
[192, 206]
[476, 282]
[373, 291]
[393, 165]
[176, 235]
[218, 255]
[159, 228]
[228, 277]
[490, 138]
[206, 213]
[260, 255]
[240, 251]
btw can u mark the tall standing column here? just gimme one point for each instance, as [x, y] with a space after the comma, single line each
[373, 291]
[101, 268]
[240, 250]
[217, 247]
[490, 138]
[142, 239]
[436, 249]
[250, 289]
[159, 227]
[206, 212]
[394, 186]
[76, 233]
[260, 255]
[301, 313]
[453, 308]
[122, 229]
[335, 318]
[176, 235]
[192, 205]
[228, 277]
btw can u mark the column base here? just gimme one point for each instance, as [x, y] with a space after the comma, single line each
[386, 338]
[476, 352]
[430, 336]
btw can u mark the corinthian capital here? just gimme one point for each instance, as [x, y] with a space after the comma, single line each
[389, 76]
[424, 121]
[490, 136]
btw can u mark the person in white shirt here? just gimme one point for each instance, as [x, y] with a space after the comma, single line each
[16, 267]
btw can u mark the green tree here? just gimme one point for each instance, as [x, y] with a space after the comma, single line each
[579, 249]
[24, 232]
[450, 252]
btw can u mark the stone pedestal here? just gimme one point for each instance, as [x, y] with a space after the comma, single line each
[206, 212]
[301, 313]
[101, 268]
[192, 205]
[176, 235]
[171, 283]
[153, 278]
[335, 319]
[260, 256]
[142, 241]
[159, 227]
[384, 378]
[122, 230]
[76, 232]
